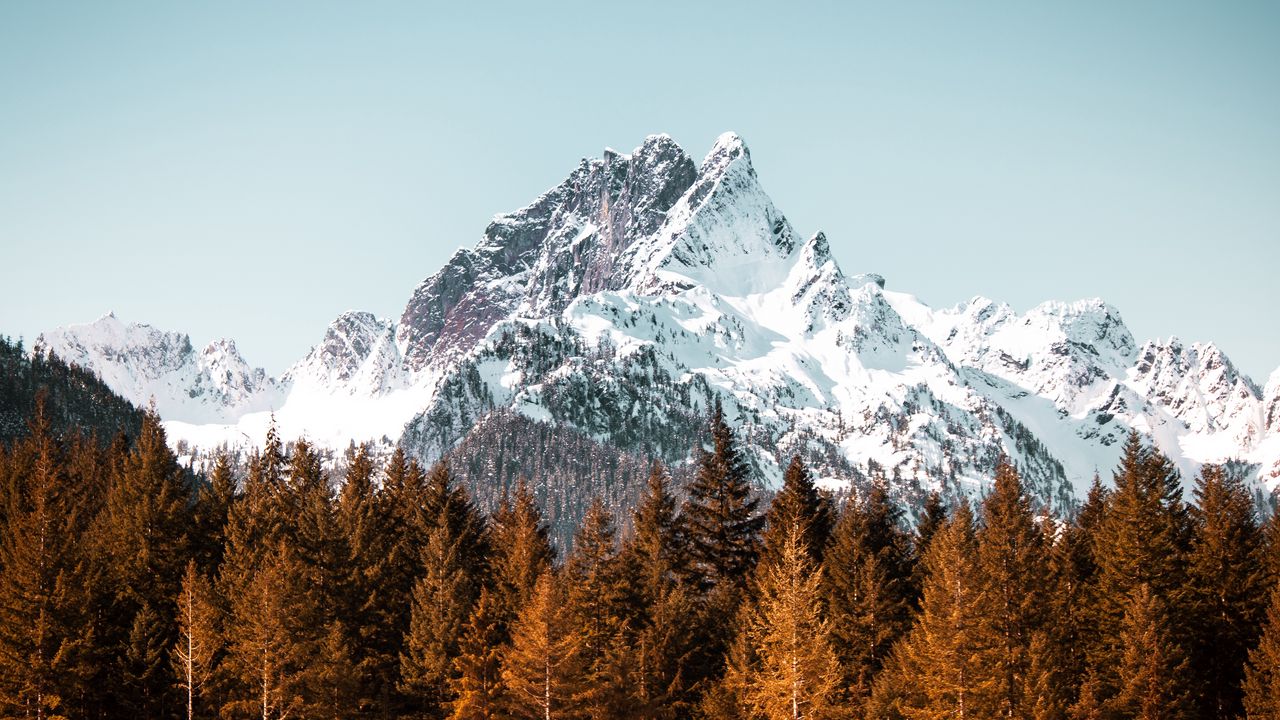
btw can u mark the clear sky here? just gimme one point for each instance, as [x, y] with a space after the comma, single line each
[253, 169]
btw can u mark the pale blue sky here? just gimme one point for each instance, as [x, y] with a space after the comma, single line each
[250, 171]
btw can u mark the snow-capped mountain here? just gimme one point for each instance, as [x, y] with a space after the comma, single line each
[143, 364]
[627, 298]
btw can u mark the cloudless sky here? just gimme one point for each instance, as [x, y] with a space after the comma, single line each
[253, 169]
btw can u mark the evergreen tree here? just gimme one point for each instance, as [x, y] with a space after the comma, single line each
[941, 656]
[1140, 540]
[869, 588]
[720, 513]
[932, 517]
[542, 671]
[370, 612]
[797, 674]
[521, 551]
[144, 530]
[213, 506]
[443, 597]
[1152, 667]
[477, 679]
[657, 545]
[47, 643]
[800, 504]
[199, 639]
[659, 643]
[1262, 676]
[598, 604]
[274, 635]
[1227, 580]
[1013, 577]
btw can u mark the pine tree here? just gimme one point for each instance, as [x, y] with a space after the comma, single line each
[213, 505]
[274, 634]
[1228, 585]
[477, 679]
[659, 643]
[47, 644]
[932, 517]
[1262, 675]
[542, 671]
[144, 530]
[798, 503]
[869, 588]
[199, 639]
[521, 551]
[597, 605]
[370, 611]
[941, 655]
[797, 674]
[1152, 668]
[720, 512]
[1140, 540]
[1012, 572]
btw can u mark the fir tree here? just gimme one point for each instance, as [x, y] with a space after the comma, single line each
[1011, 569]
[47, 647]
[868, 587]
[800, 504]
[1228, 586]
[274, 635]
[720, 513]
[1262, 675]
[659, 642]
[477, 679]
[370, 611]
[1140, 540]
[213, 506]
[542, 671]
[1152, 668]
[521, 551]
[797, 674]
[941, 656]
[597, 605]
[199, 639]
[452, 558]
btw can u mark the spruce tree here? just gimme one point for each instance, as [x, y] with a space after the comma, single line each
[598, 603]
[476, 682]
[659, 642]
[542, 670]
[1152, 670]
[868, 587]
[798, 503]
[1227, 580]
[1262, 675]
[796, 674]
[48, 657]
[1011, 569]
[720, 513]
[940, 659]
[452, 558]
[370, 609]
[199, 639]
[213, 506]
[521, 551]
[1140, 540]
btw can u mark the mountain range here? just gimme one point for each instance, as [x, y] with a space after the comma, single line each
[623, 302]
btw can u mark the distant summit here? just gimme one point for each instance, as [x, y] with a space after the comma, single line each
[623, 301]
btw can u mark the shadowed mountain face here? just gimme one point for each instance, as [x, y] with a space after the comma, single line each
[618, 305]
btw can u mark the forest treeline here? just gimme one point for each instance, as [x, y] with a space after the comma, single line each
[130, 587]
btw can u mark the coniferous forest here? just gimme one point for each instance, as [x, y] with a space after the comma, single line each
[132, 587]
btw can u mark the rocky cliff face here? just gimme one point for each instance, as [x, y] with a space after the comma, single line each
[625, 300]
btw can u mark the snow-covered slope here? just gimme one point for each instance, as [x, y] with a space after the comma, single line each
[624, 300]
[144, 364]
